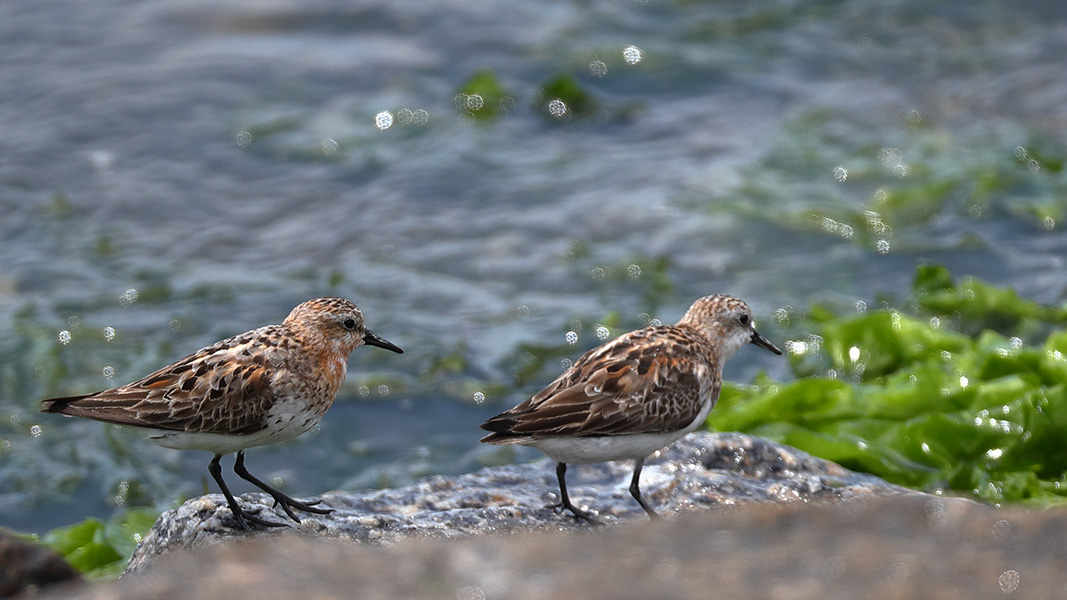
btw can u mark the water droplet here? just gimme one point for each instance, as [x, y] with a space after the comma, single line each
[964, 382]
[861, 306]
[655, 323]
[109, 333]
[479, 397]
[634, 271]
[602, 332]
[35, 431]
[557, 108]
[109, 372]
[1050, 223]
[64, 337]
[599, 273]
[598, 68]
[882, 246]
[1009, 581]
[364, 391]
[566, 363]
[475, 102]
[935, 322]
[420, 116]
[404, 116]
[781, 315]
[890, 156]
[1033, 165]
[914, 118]
[1016, 342]
[1001, 530]
[383, 390]
[571, 337]
[796, 347]
[243, 138]
[854, 354]
[383, 120]
[175, 325]
[128, 297]
[846, 231]
[523, 311]
[1021, 153]
[632, 55]
[974, 211]
[840, 174]
[330, 147]
[900, 170]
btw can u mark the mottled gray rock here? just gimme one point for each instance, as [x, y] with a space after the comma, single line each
[887, 547]
[698, 472]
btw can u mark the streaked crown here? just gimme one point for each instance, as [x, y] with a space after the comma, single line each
[335, 323]
[724, 320]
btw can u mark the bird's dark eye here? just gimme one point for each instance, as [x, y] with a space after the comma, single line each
[744, 319]
[349, 324]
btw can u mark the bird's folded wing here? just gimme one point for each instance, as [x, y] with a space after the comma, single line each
[610, 391]
[223, 388]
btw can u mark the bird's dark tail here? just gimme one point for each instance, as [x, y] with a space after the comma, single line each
[61, 405]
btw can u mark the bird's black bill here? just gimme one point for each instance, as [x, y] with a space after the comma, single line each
[372, 340]
[763, 342]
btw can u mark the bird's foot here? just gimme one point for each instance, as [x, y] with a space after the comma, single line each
[577, 513]
[288, 504]
[245, 520]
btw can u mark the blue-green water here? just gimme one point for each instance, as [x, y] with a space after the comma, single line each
[222, 161]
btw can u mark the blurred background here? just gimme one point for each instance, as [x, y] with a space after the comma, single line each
[498, 185]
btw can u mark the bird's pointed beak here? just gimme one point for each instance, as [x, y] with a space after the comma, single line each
[372, 340]
[763, 342]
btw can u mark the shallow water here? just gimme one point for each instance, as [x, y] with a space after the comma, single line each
[222, 161]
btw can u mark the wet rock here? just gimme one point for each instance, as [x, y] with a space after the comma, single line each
[886, 547]
[26, 566]
[702, 471]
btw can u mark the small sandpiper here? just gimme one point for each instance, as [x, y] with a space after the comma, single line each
[632, 396]
[261, 387]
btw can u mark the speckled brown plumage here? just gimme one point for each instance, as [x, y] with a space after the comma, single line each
[260, 387]
[633, 395]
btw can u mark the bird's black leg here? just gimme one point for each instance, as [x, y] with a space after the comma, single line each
[565, 500]
[287, 503]
[635, 489]
[239, 514]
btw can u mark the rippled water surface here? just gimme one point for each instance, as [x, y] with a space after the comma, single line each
[172, 173]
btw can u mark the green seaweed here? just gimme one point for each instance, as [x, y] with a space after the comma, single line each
[908, 398]
[101, 548]
[482, 96]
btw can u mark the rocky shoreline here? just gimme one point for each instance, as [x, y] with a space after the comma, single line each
[744, 518]
[700, 472]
